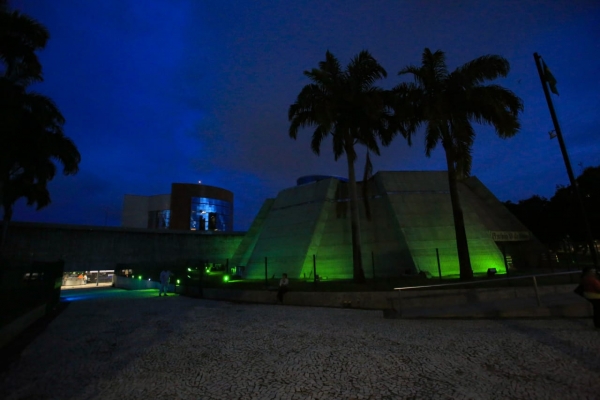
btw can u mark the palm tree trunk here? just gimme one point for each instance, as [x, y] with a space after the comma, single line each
[358, 272]
[462, 246]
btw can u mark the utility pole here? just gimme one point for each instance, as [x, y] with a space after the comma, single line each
[563, 149]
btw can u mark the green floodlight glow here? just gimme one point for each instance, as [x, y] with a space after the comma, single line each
[337, 268]
[225, 278]
[178, 281]
[189, 269]
[140, 277]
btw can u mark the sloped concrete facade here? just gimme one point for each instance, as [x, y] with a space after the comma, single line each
[411, 218]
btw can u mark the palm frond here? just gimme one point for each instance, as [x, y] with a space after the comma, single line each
[480, 70]
[331, 65]
[339, 143]
[317, 138]
[417, 72]
[407, 105]
[363, 70]
[463, 137]
[343, 103]
[496, 106]
[433, 135]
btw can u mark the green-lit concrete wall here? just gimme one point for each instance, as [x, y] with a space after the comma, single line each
[93, 248]
[243, 252]
[496, 217]
[384, 251]
[421, 204]
[288, 230]
[411, 218]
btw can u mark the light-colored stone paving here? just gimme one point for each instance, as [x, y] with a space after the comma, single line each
[140, 347]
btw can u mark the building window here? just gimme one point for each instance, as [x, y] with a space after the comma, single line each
[159, 219]
[211, 215]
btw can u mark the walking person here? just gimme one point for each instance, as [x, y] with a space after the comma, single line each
[164, 282]
[283, 287]
[591, 291]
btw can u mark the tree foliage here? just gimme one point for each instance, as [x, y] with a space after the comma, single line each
[557, 221]
[447, 104]
[345, 104]
[31, 125]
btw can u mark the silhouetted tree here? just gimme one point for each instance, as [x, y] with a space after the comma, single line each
[589, 185]
[348, 106]
[31, 134]
[536, 214]
[20, 37]
[564, 204]
[557, 221]
[447, 103]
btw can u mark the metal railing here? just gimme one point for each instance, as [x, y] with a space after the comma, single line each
[533, 277]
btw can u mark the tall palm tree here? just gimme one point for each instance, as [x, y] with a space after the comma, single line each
[447, 103]
[348, 106]
[31, 135]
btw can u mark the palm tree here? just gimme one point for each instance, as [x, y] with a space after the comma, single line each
[447, 104]
[30, 124]
[346, 105]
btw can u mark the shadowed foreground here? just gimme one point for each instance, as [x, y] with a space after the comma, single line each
[111, 344]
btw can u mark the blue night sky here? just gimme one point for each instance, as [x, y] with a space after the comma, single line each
[162, 91]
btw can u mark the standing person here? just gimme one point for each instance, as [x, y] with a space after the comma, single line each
[164, 282]
[84, 278]
[283, 287]
[591, 291]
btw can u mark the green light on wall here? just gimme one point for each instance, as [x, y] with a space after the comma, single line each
[189, 269]
[178, 281]
[482, 262]
[140, 277]
[226, 278]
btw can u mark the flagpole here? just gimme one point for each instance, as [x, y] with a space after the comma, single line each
[563, 149]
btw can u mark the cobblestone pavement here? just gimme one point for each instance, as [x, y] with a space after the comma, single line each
[141, 347]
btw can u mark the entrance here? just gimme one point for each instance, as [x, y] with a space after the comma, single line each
[86, 279]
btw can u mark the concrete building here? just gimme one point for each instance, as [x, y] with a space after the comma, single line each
[192, 207]
[411, 225]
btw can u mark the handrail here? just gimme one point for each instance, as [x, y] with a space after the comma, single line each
[492, 280]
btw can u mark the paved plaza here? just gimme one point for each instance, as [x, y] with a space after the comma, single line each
[113, 344]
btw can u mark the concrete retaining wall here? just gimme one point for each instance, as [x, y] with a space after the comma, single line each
[363, 300]
[86, 248]
[384, 300]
